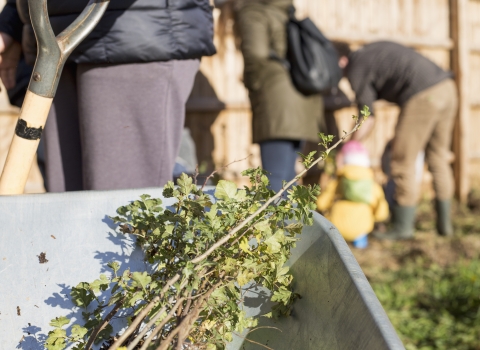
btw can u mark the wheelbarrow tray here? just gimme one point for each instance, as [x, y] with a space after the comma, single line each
[338, 308]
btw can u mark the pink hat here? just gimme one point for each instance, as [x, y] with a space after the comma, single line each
[354, 153]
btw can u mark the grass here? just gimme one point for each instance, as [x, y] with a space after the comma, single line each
[430, 286]
[433, 308]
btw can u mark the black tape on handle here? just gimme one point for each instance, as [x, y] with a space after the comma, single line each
[27, 133]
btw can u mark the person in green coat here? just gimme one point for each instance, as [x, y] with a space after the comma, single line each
[282, 117]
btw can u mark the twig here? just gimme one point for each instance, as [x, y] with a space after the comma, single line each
[195, 313]
[223, 167]
[195, 176]
[254, 342]
[181, 308]
[244, 223]
[263, 327]
[253, 330]
[163, 323]
[192, 298]
[157, 328]
[141, 316]
[102, 325]
[147, 327]
[192, 316]
[168, 340]
[243, 234]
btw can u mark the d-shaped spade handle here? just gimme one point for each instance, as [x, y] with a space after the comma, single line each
[54, 51]
[52, 54]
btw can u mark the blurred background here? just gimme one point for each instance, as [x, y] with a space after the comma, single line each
[430, 287]
[446, 31]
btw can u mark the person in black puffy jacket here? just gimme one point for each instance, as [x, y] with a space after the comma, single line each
[118, 114]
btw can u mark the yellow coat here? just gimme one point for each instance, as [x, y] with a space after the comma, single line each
[353, 218]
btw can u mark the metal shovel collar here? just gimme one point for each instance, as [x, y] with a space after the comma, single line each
[52, 51]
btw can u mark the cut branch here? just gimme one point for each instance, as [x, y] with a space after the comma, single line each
[102, 325]
[188, 313]
[141, 316]
[244, 223]
[223, 167]
[161, 325]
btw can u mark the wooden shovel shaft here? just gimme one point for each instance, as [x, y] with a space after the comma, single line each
[22, 151]
[52, 55]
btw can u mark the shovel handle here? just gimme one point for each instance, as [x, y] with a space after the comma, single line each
[51, 57]
[24, 147]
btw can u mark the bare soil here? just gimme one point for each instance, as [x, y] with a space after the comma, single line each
[427, 245]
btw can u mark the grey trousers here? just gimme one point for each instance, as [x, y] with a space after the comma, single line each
[116, 126]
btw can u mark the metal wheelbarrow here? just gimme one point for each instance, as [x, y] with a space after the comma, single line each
[338, 309]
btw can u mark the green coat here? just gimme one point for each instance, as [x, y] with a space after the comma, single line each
[279, 110]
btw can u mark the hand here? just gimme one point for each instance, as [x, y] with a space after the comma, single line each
[365, 130]
[5, 41]
[10, 52]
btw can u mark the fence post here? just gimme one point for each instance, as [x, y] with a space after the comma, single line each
[460, 64]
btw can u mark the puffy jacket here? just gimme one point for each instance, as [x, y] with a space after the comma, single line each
[353, 202]
[131, 31]
[279, 110]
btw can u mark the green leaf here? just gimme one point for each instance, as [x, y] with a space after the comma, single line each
[135, 298]
[185, 183]
[100, 284]
[226, 190]
[273, 245]
[115, 298]
[104, 334]
[126, 275]
[245, 246]
[219, 295]
[282, 271]
[212, 213]
[295, 228]
[188, 270]
[365, 111]
[59, 322]
[241, 195]
[56, 339]
[115, 266]
[142, 279]
[78, 332]
[81, 295]
[264, 228]
[264, 179]
[244, 277]
[168, 190]
[282, 295]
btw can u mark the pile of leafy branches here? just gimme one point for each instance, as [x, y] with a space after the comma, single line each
[202, 253]
[435, 307]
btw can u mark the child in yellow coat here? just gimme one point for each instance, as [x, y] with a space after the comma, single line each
[354, 201]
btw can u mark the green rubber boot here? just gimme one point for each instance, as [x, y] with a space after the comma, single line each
[403, 222]
[444, 222]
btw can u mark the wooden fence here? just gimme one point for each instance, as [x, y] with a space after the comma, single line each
[446, 31]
